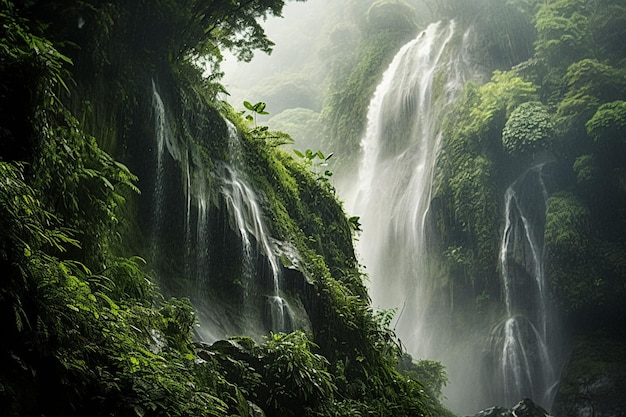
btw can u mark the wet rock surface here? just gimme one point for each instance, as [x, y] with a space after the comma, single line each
[525, 408]
[594, 384]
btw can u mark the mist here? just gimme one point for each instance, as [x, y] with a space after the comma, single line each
[294, 61]
[445, 233]
[313, 39]
[336, 82]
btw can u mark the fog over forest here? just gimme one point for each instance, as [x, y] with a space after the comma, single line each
[298, 82]
[410, 208]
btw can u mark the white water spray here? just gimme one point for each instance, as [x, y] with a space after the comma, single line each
[187, 197]
[393, 191]
[523, 355]
[244, 207]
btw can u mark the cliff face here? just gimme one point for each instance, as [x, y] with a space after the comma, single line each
[128, 181]
[223, 213]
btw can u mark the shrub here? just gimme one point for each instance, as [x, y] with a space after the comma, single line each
[529, 129]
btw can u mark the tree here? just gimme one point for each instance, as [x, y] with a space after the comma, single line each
[595, 78]
[590, 83]
[607, 128]
[209, 26]
[174, 29]
[505, 92]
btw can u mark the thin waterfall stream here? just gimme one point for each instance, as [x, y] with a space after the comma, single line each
[255, 305]
[161, 133]
[243, 205]
[523, 353]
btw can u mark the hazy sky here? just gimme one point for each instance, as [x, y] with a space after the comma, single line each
[296, 36]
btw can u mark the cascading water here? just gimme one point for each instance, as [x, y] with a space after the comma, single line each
[521, 345]
[399, 152]
[194, 187]
[161, 132]
[392, 198]
[242, 202]
[234, 285]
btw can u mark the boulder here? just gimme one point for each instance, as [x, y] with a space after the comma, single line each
[494, 412]
[525, 408]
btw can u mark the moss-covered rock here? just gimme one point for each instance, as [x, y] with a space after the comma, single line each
[595, 380]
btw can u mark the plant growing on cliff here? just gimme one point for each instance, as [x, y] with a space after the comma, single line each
[263, 133]
[254, 110]
[309, 158]
[431, 374]
[528, 129]
[608, 123]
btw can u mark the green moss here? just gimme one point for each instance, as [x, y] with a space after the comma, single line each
[528, 129]
[345, 110]
[595, 377]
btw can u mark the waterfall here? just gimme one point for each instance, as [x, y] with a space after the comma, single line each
[175, 159]
[521, 343]
[392, 195]
[161, 131]
[230, 264]
[393, 187]
[243, 205]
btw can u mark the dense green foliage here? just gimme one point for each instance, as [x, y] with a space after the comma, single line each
[467, 186]
[85, 329]
[82, 336]
[356, 75]
[529, 129]
[564, 101]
